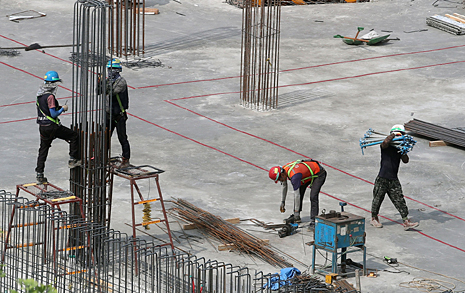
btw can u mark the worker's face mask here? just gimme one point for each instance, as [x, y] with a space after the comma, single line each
[50, 87]
[113, 73]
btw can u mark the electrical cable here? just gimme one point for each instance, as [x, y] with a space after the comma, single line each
[439, 274]
[428, 285]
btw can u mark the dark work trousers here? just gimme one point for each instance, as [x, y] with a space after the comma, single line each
[47, 134]
[394, 190]
[119, 122]
[314, 193]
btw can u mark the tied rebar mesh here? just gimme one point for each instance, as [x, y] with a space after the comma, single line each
[89, 109]
[261, 22]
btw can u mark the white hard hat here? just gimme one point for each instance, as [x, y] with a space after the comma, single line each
[398, 128]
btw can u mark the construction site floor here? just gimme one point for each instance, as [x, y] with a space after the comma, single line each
[185, 118]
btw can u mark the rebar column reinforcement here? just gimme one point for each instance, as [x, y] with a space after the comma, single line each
[88, 182]
[127, 27]
[261, 21]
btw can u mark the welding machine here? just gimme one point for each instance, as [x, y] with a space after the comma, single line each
[339, 233]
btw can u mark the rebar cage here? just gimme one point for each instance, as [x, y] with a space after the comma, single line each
[261, 20]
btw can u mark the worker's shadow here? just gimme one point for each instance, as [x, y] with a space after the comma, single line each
[421, 214]
[300, 96]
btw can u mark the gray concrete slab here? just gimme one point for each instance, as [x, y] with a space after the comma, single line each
[217, 154]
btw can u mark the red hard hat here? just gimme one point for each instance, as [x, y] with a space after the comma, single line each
[274, 173]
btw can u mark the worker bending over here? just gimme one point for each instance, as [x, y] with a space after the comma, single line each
[302, 174]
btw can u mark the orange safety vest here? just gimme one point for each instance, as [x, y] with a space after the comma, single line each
[308, 169]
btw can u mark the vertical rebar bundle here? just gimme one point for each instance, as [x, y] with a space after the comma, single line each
[261, 20]
[89, 109]
[127, 27]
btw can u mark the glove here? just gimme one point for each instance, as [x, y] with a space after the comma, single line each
[65, 108]
[282, 208]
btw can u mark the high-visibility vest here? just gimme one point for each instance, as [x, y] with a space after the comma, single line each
[308, 169]
[44, 113]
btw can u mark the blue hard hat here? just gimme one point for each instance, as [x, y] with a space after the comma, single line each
[114, 63]
[51, 76]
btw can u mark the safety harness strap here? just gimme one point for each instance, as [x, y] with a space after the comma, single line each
[120, 104]
[292, 165]
[57, 121]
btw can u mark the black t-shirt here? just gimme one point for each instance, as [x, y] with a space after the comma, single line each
[390, 161]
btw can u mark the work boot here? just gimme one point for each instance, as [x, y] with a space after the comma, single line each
[124, 163]
[293, 219]
[375, 223]
[409, 225]
[311, 227]
[41, 179]
[73, 163]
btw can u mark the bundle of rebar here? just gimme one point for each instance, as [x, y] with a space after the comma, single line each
[403, 143]
[446, 24]
[228, 233]
[452, 136]
[307, 283]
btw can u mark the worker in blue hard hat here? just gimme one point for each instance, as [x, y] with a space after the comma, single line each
[48, 110]
[388, 182]
[117, 103]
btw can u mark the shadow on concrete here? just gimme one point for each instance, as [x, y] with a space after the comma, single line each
[200, 39]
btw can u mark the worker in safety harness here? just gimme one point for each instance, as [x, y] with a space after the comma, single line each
[387, 181]
[48, 110]
[302, 174]
[117, 89]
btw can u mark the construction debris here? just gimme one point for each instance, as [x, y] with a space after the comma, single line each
[453, 24]
[27, 14]
[9, 53]
[142, 63]
[436, 132]
[91, 59]
[371, 38]
[227, 233]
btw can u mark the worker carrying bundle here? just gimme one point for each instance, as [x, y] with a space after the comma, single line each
[403, 142]
[387, 181]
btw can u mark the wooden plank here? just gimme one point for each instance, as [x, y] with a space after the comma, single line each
[459, 16]
[194, 226]
[343, 284]
[231, 246]
[150, 11]
[455, 18]
[437, 143]
[64, 198]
